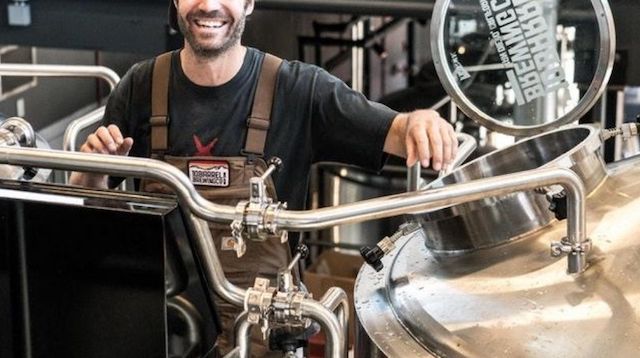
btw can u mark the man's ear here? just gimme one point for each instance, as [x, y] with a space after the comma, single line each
[249, 6]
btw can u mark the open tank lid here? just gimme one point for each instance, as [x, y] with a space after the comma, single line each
[523, 67]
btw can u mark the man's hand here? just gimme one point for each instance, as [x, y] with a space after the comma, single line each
[105, 140]
[422, 136]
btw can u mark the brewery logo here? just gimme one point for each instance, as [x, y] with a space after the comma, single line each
[526, 46]
[209, 173]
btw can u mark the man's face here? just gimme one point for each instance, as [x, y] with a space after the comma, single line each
[211, 27]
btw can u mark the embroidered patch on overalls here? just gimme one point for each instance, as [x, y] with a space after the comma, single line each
[209, 173]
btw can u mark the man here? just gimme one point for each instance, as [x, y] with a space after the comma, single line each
[211, 94]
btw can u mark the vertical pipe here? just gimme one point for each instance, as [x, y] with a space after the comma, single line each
[617, 154]
[242, 335]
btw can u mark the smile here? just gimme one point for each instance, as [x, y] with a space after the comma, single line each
[210, 24]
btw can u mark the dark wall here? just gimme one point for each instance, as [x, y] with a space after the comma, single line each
[115, 25]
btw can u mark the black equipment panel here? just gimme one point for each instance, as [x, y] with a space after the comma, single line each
[82, 273]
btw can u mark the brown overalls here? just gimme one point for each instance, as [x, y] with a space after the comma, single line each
[225, 180]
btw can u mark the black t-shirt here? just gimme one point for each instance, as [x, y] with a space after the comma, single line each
[315, 117]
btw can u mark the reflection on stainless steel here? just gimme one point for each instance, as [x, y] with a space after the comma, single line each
[21, 130]
[479, 99]
[16, 132]
[482, 223]
[514, 300]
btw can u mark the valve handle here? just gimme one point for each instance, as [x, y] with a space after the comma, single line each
[302, 252]
[373, 256]
[558, 204]
[276, 162]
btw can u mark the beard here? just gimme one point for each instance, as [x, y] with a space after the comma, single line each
[209, 51]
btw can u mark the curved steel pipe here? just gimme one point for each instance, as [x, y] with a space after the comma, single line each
[377, 208]
[213, 271]
[328, 321]
[74, 128]
[336, 300]
[123, 166]
[31, 70]
[467, 146]
[242, 335]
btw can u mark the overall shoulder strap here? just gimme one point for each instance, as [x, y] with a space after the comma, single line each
[160, 104]
[260, 117]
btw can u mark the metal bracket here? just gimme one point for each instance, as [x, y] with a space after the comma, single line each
[626, 131]
[257, 217]
[565, 247]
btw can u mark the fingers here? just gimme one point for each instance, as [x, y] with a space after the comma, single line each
[412, 157]
[125, 147]
[447, 145]
[430, 139]
[454, 142]
[423, 149]
[436, 146]
[107, 140]
[114, 131]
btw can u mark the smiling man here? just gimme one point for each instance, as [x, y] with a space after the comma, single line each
[216, 109]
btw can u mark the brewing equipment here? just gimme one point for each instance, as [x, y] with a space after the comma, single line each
[483, 278]
[450, 296]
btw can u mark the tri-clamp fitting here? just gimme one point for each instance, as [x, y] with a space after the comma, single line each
[278, 308]
[576, 253]
[256, 217]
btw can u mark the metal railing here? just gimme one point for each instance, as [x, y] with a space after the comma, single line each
[35, 70]
[377, 208]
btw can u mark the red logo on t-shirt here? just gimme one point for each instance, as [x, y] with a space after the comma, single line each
[204, 150]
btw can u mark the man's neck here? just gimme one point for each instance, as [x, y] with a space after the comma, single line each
[214, 71]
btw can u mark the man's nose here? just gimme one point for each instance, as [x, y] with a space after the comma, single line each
[210, 5]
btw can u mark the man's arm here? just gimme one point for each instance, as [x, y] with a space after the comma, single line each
[422, 136]
[105, 140]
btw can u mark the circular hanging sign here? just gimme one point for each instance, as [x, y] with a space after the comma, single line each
[522, 67]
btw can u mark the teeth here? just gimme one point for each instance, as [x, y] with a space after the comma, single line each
[213, 24]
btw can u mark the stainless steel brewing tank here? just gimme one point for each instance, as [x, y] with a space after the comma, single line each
[515, 300]
[491, 221]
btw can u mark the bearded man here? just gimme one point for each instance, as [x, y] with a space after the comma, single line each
[202, 109]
